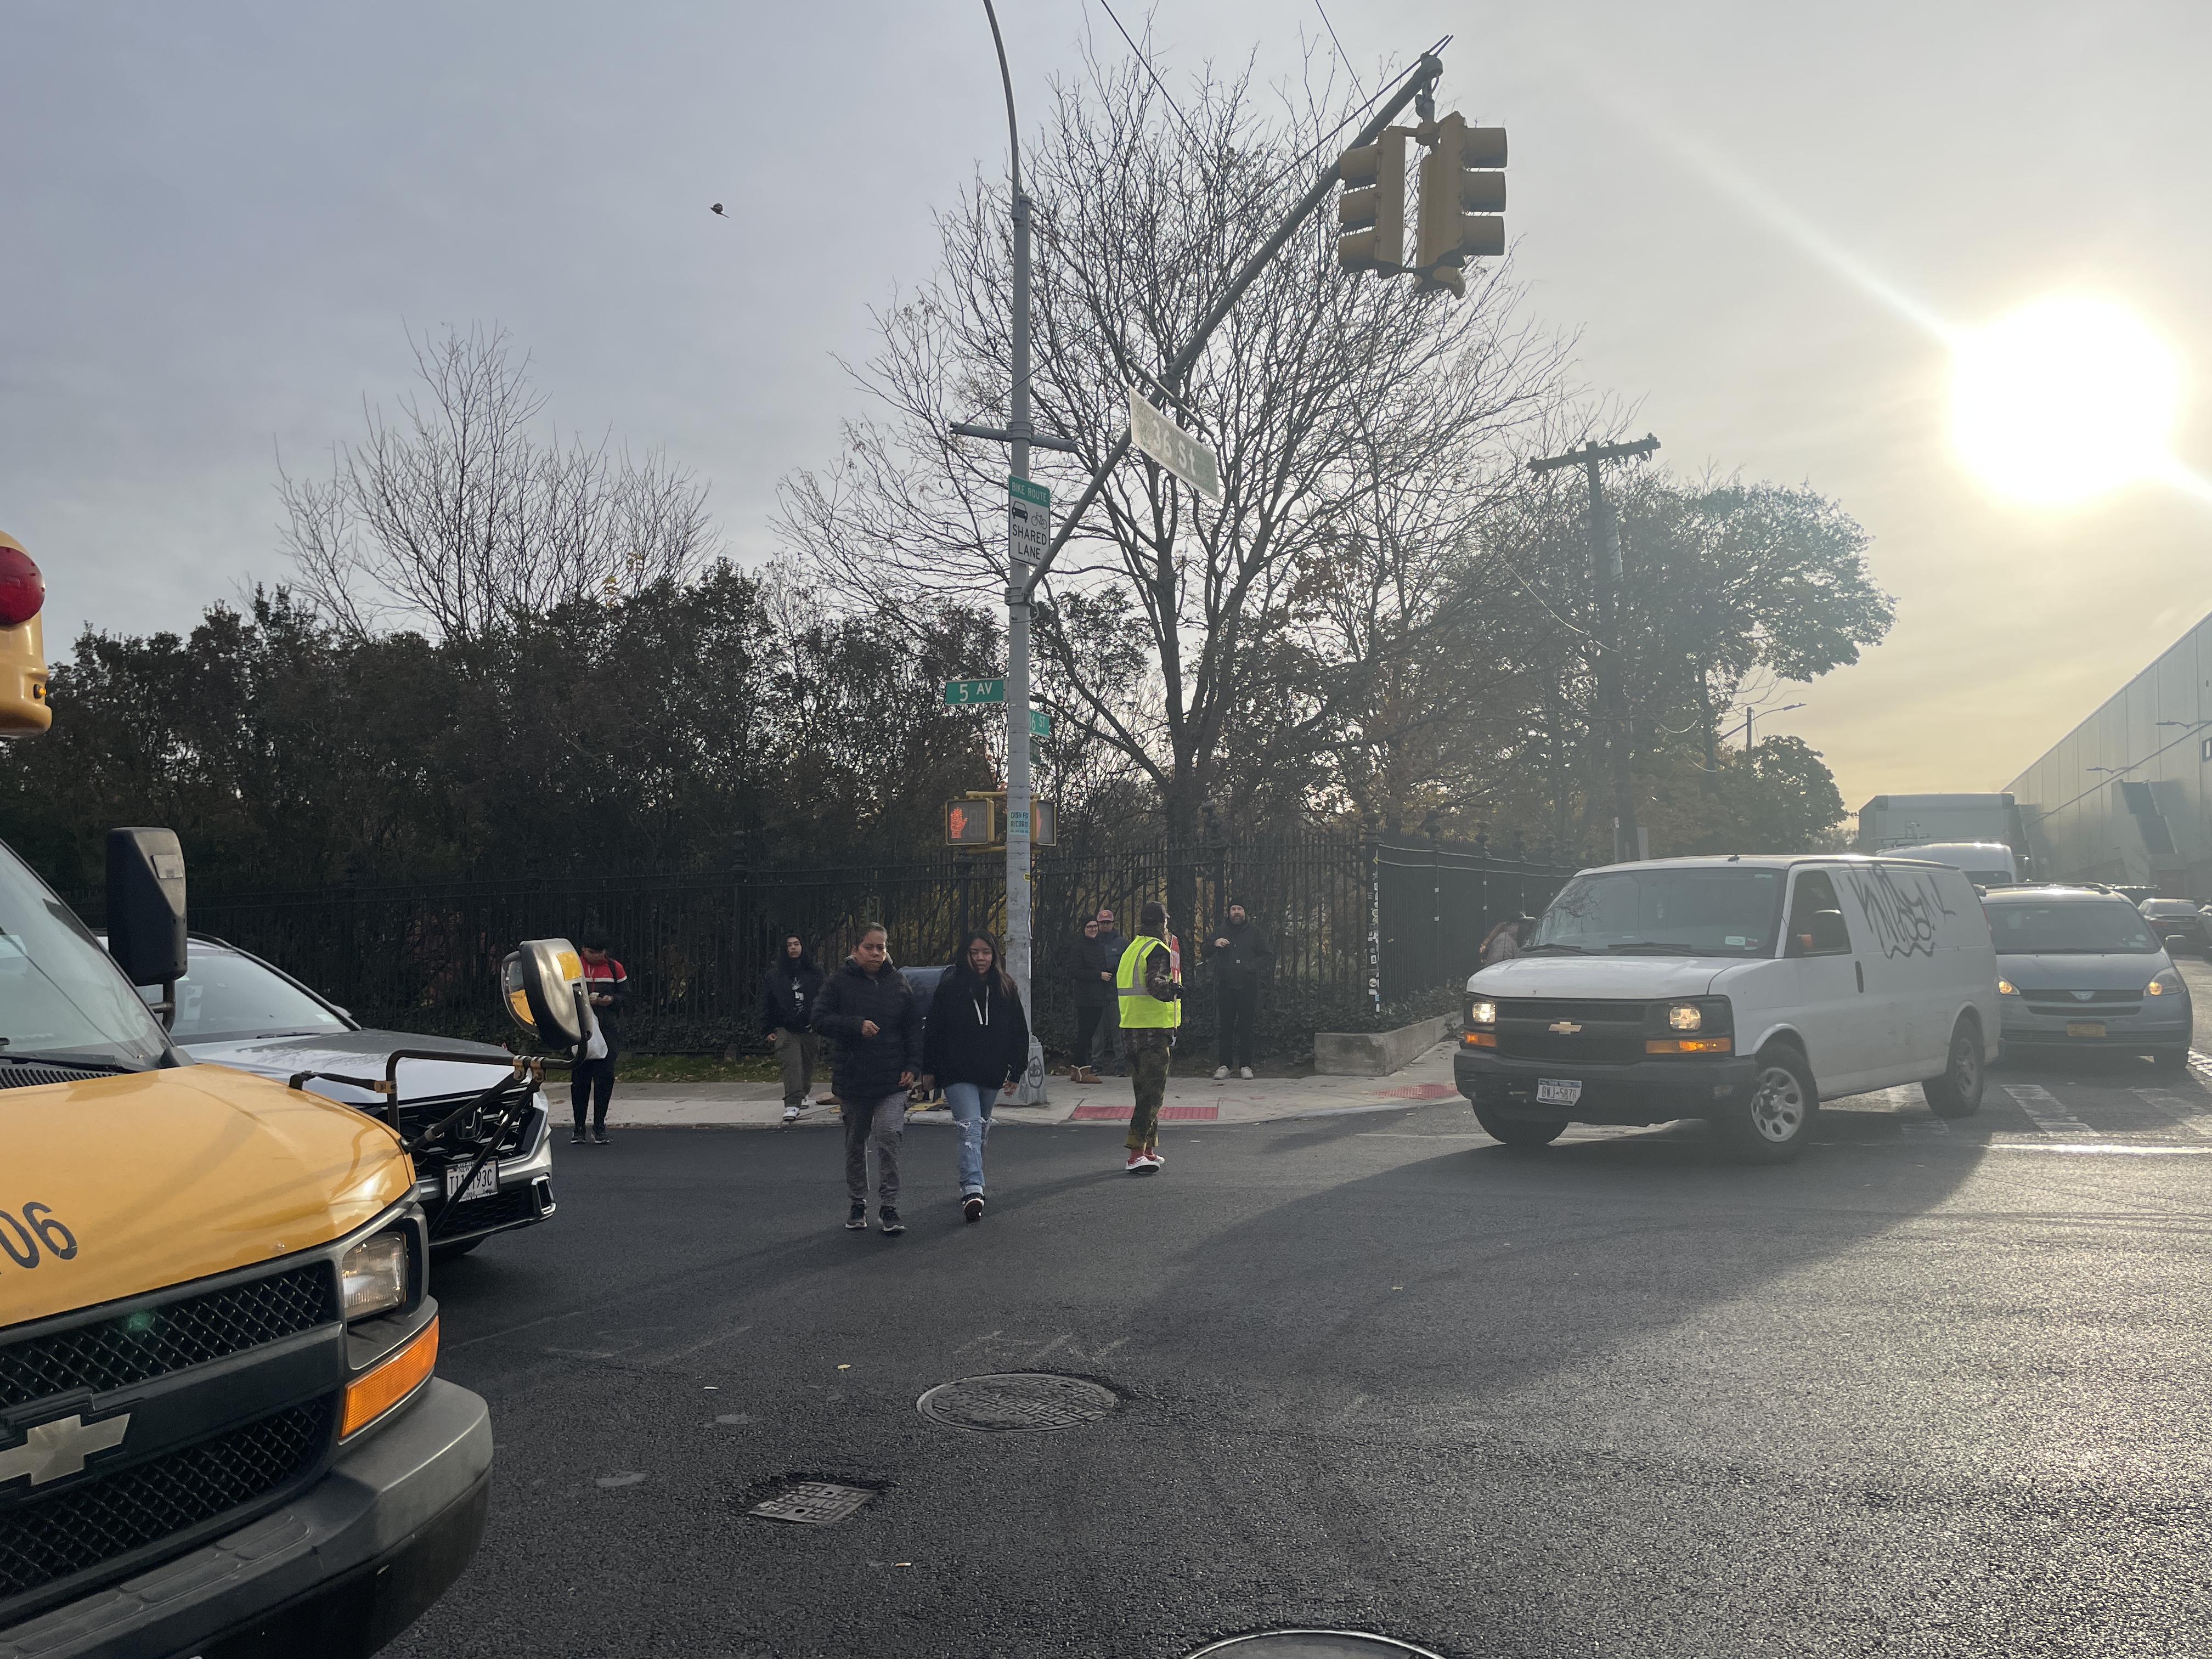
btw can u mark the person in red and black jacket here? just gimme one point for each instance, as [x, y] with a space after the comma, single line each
[593, 1081]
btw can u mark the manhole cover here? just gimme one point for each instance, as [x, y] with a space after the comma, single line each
[814, 1502]
[1312, 1645]
[1014, 1400]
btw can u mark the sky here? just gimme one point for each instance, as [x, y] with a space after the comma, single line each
[223, 221]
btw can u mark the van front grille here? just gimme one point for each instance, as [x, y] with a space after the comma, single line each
[90, 1523]
[154, 1341]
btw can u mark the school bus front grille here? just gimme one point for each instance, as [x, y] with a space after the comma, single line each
[153, 1341]
[86, 1525]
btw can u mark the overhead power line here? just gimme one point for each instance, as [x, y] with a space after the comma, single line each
[1144, 58]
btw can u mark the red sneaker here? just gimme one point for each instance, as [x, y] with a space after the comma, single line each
[1139, 1165]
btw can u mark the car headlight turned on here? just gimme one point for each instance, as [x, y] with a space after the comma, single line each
[2167, 984]
[1482, 1024]
[2007, 988]
[375, 1276]
[1700, 1025]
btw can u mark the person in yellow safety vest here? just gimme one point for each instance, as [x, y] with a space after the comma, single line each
[1149, 987]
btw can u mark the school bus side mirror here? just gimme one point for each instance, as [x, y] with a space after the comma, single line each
[542, 985]
[146, 905]
[23, 707]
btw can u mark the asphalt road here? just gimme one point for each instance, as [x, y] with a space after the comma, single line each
[1933, 1389]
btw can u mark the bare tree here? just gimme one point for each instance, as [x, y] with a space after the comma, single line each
[456, 515]
[1206, 642]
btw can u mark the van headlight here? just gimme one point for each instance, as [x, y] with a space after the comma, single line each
[1685, 1017]
[1482, 1011]
[2007, 988]
[373, 1276]
[2169, 983]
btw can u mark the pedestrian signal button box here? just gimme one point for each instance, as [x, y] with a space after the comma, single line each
[967, 823]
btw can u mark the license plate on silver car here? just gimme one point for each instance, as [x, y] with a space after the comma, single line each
[486, 1184]
[1558, 1090]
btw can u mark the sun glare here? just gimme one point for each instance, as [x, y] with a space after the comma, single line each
[2063, 399]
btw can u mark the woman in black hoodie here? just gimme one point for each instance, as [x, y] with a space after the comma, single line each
[867, 1011]
[976, 1047]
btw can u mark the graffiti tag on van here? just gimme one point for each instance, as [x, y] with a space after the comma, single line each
[1900, 909]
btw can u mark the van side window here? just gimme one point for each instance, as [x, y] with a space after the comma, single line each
[1816, 919]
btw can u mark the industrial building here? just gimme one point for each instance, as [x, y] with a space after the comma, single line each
[2122, 797]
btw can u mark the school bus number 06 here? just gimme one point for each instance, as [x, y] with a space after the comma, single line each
[20, 1240]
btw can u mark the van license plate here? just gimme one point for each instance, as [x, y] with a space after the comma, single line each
[486, 1185]
[1558, 1090]
[2085, 1028]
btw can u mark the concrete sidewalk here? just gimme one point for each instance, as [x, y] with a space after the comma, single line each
[1189, 1100]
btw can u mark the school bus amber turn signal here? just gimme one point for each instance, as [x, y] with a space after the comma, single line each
[23, 708]
[391, 1382]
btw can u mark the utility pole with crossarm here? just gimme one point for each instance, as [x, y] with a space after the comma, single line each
[1604, 577]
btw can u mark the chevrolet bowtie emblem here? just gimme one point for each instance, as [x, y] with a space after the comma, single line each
[1567, 1027]
[59, 1448]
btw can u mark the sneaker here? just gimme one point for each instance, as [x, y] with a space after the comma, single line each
[791, 1115]
[1152, 1157]
[971, 1207]
[599, 1135]
[858, 1221]
[1139, 1165]
[1219, 1072]
[576, 1137]
[1245, 1072]
[806, 1100]
[891, 1223]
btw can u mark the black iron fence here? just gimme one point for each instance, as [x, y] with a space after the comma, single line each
[1361, 928]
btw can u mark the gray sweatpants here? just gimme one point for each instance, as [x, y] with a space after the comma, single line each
[878, 1131]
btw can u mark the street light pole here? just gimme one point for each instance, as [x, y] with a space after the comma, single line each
[1749, 711]
[1019, 929]
[1605, 576]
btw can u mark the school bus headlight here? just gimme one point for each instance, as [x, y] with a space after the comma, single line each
[370, 1396]
[375, 1276]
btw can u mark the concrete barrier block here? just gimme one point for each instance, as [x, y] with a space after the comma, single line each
[1376, 1054]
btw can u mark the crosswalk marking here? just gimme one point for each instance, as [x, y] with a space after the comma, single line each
[2193, 1117]
[1915, 1120]
[2051, 1115]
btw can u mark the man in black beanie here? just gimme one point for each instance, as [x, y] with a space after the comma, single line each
[1148, 988]
[1240, 957]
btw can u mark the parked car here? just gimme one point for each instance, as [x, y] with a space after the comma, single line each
[234, 1009]
[2181, 922]
[2079, 969]
[1743, 990]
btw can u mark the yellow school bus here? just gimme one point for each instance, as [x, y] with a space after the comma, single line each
[222, 1427]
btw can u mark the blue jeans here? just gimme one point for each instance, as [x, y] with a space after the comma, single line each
[971, 1105]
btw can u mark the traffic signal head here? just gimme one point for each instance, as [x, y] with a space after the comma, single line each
[1463, 190]
[23, 705]
[967, 823]
[1375, 210]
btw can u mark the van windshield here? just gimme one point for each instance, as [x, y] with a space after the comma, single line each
[2097, 928]
[1701, 911]
[60, 997]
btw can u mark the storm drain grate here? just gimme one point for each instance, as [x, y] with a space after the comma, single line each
[812, 1503]
[1015, 1401]
[1312, 1645]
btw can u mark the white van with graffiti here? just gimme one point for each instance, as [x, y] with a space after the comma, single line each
[1743, 990]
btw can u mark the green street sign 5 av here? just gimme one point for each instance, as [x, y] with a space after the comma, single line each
[966, 691]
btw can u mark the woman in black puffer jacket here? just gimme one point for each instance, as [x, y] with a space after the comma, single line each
[976, 1049]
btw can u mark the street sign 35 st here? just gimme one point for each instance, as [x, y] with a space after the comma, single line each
[1173, 447]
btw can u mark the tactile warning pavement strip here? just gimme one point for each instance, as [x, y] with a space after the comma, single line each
[813, 1502]
[1016, 1401]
